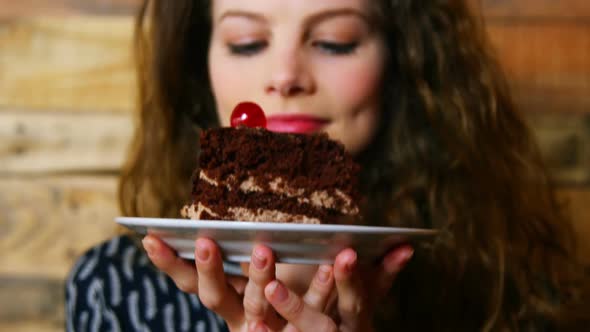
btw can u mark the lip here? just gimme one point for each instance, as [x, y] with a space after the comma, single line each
[295, 123]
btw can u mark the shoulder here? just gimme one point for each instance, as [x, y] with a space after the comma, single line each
[120, 254]
[115, 284]
[119, 268]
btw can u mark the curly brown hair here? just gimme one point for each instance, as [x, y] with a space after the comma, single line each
[452, 153]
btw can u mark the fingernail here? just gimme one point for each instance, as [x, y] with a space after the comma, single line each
[324, 273]
[406, 256]
[256, 327]
[148, 245]
[351, 264]
[202, 253]
[397, 262]
[258, 259]
[278, 292]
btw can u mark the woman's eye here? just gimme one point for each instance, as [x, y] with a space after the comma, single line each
[336, 48]
[246, 48]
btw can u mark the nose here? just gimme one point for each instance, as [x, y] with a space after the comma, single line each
[289, 75]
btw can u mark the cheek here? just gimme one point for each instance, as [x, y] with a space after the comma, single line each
[222, 92]
[355, 86]
[226, 87]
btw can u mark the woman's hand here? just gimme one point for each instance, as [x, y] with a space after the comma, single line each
[358, 289]
[183, 273]
[263, 303]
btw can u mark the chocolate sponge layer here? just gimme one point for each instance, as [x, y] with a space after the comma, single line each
[313, 162]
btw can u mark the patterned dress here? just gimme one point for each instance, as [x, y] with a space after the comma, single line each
[114, 287]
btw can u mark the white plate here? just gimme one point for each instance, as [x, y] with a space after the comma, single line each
[291, 243]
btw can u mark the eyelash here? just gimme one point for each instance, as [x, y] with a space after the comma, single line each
[336, 48]
[246, 49]
[332, 48]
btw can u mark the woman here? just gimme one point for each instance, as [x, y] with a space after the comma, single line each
[412, 90]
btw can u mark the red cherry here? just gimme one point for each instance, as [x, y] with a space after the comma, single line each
[248, 114]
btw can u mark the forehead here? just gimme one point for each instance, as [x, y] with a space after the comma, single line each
[286, 6]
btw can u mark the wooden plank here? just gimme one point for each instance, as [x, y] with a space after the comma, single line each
[492, 8]
[23, 8]
[548, 65]
[47, 222]
[49, 142]
[38, 293]
[37, 298]
[41, 143]
[56, 219]
[564, 139]
[535, 9]
[75, 63]
[578, 200]
[83, 63]
[32, 326]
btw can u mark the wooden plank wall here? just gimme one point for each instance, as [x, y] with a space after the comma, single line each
[66, 98]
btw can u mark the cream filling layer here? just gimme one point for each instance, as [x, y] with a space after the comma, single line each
[243, 214]
[320, 198]
[196, 212]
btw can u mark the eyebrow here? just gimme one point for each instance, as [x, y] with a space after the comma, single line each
[313, 19]
[241, 13]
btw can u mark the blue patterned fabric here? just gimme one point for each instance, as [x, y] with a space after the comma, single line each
[114, 287]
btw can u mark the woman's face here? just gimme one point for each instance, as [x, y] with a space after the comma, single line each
[313, 65]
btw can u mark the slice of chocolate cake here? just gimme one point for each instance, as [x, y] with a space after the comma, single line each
[252, 174]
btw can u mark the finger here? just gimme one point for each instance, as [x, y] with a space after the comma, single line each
[181, 271]
[321, 286]
[391, 266]
[295, 311]
[350, 300]
[261, 271]
[258, 326]
[214, 292]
